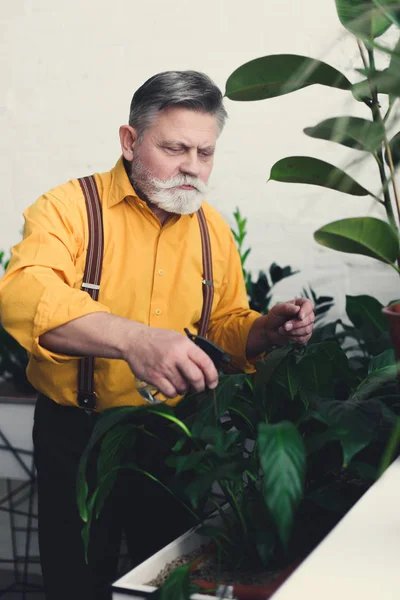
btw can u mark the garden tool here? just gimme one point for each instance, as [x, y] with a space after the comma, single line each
[217, 355]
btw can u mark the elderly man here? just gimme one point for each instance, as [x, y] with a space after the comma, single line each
[152, 287]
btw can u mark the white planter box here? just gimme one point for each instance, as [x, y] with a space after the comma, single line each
[133, 584]
[360, 558]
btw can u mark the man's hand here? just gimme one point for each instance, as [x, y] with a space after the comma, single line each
[287, 322]
[163, 358]
[169, 361]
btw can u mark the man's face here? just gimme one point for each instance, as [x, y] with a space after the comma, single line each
[172, 163]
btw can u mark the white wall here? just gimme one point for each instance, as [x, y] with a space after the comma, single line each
[69, 70]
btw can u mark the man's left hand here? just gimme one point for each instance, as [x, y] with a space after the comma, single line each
[286, 322]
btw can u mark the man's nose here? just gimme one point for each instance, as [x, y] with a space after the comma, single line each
[191, 164]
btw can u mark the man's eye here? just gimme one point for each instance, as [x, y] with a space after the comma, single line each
[172, 150]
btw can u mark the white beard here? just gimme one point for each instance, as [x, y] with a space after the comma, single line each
[167, 195]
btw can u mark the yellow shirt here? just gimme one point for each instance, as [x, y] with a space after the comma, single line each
[151, 274]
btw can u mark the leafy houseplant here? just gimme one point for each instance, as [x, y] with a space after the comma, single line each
[292, 447]
[272, 76]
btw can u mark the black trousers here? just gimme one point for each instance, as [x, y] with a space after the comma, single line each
[149, 516]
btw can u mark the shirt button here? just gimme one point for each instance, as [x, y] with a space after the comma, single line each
[158, 311]
[161, 272]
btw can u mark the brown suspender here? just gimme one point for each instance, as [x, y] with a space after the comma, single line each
[92, 276]
[91, 282]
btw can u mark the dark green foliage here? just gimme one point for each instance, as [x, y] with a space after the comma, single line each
[292, 447]
[13, 358]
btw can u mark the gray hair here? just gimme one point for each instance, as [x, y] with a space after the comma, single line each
[189, 89]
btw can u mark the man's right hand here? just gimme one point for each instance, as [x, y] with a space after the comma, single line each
[161, 357]
[169, 361]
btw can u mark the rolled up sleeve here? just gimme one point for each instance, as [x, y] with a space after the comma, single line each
[41, 287]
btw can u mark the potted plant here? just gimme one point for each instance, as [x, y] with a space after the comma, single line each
[302, 438]
[275, 75]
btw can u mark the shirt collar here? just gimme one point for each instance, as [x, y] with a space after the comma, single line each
[121, 186]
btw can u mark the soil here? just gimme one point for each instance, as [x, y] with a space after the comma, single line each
[208, 571]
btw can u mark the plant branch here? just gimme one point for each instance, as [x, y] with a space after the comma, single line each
[389, 110]
[377, 117]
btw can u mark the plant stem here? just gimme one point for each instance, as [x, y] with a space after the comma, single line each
[229, 492]
[377, 117]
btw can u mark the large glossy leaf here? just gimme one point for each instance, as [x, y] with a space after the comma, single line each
[354, 423]
[365, 312]
[268, 365]
[375, 384]
[390, 9]
[349, 131]
[276, 75]
[363, 17]
[322, 364]
[305, 169]
[361, 235]
[282, 458]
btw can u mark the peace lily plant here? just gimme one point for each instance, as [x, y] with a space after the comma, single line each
[276, 75]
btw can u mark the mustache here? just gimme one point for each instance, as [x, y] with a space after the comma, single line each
[179, 180]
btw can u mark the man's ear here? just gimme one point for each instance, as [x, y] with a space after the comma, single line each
[128, 138]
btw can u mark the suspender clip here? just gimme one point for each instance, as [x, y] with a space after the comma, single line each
[87, 400]
[90, 286]
[207, 282]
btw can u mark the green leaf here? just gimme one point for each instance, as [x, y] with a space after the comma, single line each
[361, 235]
[385, 82]
[118, 441]
[214, 404]
[267, 366]
[176, 586]
[349, 131]
[305, 169]
[374, 383]
[363, 17]
[354, 422]
[287, 376]
[282, 458]
[322, 364]
[390, 9]
[107, 420]
[365, 312]
[230, 470]
[386, 359]
[276, 75]
[394, 145]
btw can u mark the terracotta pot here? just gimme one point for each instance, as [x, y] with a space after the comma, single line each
[392, 313]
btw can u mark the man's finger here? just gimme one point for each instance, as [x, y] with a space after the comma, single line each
[193, 375]
[286, 309]
[206, 365]
[306, 307]
[297, 332]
